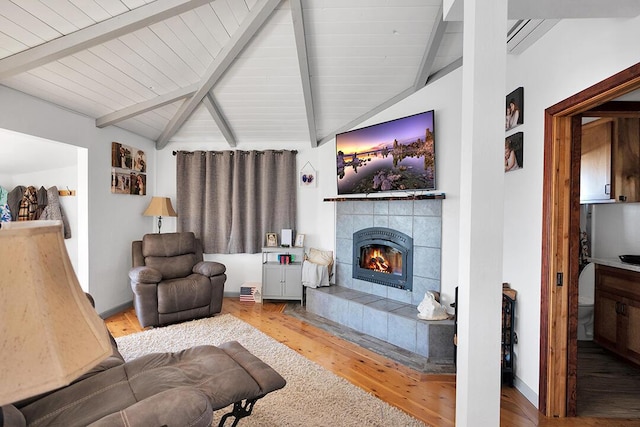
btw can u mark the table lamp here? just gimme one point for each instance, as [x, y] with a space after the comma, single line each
[50, 334]
[160, 206]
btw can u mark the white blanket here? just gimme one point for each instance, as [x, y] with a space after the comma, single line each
[314, 275]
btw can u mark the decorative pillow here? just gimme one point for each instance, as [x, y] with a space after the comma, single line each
[321, 257]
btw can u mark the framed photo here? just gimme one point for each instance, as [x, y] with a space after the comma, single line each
[299, 240]
[513, 152]
[515, 109]
[272, 240]
[128, 170]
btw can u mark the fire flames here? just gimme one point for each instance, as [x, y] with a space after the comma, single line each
[377, 262]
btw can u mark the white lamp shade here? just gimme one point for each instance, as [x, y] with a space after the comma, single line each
[50, 333]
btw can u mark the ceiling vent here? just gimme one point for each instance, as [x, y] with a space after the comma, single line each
[525, 32]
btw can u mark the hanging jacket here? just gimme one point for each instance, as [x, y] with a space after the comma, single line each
[54, 210]
[5, 212]
[28, 205]
[13, 200]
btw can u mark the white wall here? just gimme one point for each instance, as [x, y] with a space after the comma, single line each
[615, 230]
[554, 68]
[113, 220]
[316, 218]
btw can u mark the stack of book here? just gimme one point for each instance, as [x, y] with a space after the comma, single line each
[247, 293]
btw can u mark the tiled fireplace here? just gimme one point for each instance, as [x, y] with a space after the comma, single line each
[388, 312]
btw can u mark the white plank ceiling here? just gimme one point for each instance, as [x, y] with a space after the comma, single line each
[229, 71]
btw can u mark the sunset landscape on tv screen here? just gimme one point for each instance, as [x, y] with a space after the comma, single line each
[398, 155]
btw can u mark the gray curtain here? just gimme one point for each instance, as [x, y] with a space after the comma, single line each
[231, 199]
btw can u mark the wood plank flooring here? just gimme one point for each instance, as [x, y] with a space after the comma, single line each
[607, 385]
[430, 398]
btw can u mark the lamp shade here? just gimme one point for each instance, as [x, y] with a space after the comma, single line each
[160, 206]
[50, 333]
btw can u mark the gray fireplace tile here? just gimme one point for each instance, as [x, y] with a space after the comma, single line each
[363, 208]
[344, 249]
[422, 338]
[408, 311]
[362, 221]
[374, 323]
[345, 207]
[426, 262]
[362, 285]
[367, 298]
[381, 221]
[337, 310]
[427, 207]
[379, 290]
[381, 207]
[441, 340]
[354, 316]
[344, 226]
[385, 305]
[343, 274]
[317, 302]
[349, 294]
[402, 332]
[399, 295]
[401, 207]
[402, 223]
[427, 231]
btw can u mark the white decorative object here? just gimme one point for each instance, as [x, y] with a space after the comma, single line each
[430, 309]
[308, 177]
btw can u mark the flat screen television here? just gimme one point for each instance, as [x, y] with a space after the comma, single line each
[398, 155]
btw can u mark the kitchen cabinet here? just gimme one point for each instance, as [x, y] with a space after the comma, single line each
[282, 281]
[617, 311]
[610, 161]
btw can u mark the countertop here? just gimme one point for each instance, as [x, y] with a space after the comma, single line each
[615, 262]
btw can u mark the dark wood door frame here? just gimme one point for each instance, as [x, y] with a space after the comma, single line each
[560, 240]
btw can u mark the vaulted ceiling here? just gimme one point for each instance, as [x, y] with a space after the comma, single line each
[232, 71]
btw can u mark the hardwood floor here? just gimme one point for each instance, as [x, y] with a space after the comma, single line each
[607, 385]
[430, 398]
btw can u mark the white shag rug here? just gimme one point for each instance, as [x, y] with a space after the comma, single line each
[313, 396]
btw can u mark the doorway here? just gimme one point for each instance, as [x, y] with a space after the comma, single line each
[560, 247]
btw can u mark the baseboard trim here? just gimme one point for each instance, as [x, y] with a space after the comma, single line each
[530, 395]
[118, 309]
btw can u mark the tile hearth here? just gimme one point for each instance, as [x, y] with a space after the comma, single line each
[385, 319]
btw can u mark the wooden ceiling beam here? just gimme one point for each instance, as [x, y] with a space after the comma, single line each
[93, 35]
[628, 109]
[143, 107]
[249, 27]
[211, 105]
[303, 62]
[429, 58]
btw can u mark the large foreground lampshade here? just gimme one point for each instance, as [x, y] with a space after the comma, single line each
[160, 206]
[49, 332]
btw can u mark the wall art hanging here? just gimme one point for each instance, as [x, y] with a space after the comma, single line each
[128, 170]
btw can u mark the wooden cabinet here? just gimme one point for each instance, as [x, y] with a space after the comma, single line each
[282, 281]
[610, 161]
[617, 311]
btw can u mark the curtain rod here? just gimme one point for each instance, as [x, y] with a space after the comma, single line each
[237, 151]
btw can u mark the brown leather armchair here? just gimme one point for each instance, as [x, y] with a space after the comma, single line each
[171, 282]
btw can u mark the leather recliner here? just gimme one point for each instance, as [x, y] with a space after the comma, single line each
[171, 282]
[160, 389]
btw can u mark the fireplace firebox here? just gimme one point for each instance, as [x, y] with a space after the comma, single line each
[383, 256]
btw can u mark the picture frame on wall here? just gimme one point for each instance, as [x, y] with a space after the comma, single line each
[128, 170]
[513, 152]
[307, 176]
[299, 243]
[514, 109]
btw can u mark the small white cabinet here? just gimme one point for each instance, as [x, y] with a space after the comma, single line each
[282, 281]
